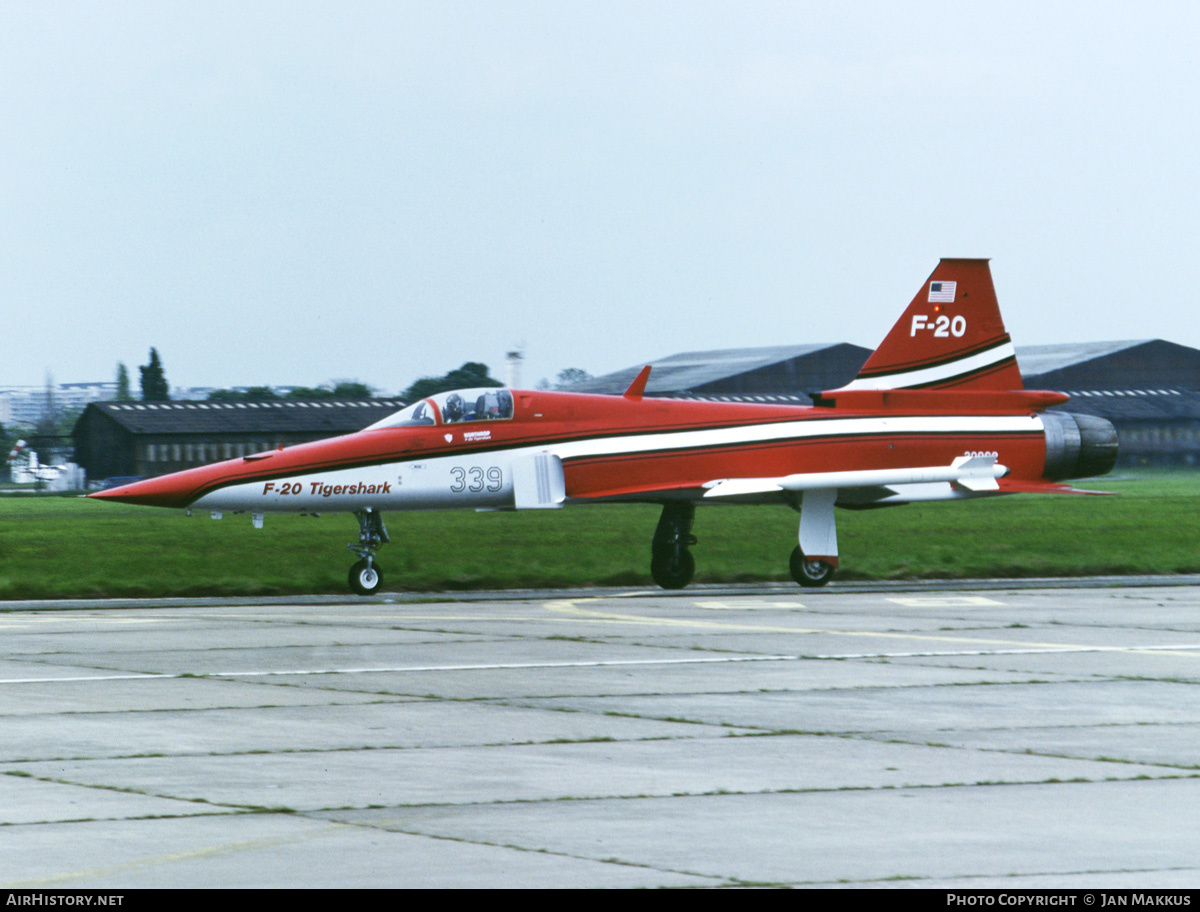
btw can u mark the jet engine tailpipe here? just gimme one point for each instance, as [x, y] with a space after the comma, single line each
[1078, 446]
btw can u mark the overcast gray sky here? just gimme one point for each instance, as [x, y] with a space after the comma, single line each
[293, 192]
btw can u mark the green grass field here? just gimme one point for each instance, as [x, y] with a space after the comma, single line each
[56, 547]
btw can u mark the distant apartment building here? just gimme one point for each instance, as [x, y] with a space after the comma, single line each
[189, 393]
[25, 406]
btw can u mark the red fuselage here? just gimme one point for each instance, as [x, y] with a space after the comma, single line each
[616, 448]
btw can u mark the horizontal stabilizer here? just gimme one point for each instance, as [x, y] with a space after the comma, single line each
[974, 473]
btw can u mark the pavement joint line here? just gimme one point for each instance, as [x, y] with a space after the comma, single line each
[1189, 650]
[571, 607]
[400, 598]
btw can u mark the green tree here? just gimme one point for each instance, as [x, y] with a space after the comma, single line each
[154, 380]
[54, 431]
[260, 394]
[570, 376]
[343, 390]
[471, 374]
[250, 394]
[309, 392]
[352, 390]
[123, 393]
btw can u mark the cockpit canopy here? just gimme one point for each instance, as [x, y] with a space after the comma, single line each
[488, 404]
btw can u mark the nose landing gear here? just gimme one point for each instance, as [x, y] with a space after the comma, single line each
[365, 576]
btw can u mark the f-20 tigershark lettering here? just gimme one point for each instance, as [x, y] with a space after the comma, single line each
[327, 490]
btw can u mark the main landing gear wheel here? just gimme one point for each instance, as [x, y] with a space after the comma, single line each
[808, 572]
[366, 577]
[671, 563]
[673, 572]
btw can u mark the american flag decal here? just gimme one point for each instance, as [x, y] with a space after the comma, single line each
[942, 292]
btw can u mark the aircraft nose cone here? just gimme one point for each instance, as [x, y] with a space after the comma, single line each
[165, 491]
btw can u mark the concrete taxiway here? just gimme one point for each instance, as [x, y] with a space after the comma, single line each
[958, 736]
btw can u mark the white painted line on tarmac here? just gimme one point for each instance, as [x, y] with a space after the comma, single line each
[746, 605]
[942, 601]
[399, 669]
[1189, 649]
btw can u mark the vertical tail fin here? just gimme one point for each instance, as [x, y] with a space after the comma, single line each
[950, 337]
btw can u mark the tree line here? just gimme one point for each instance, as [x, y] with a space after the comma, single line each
[154, 386]
[56, 425]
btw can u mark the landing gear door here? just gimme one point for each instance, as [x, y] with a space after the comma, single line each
[538, 482]
[818, 530]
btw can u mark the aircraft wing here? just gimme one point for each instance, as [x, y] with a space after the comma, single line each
[976, 474]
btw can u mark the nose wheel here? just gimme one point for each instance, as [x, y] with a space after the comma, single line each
[366, 577]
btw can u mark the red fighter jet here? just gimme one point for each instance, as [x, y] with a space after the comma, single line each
[938, 412]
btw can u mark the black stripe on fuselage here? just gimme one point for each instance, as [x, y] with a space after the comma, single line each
[473, 450]
[957, 379]
[937, 361]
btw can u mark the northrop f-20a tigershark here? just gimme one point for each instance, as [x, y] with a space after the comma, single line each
[938, 412]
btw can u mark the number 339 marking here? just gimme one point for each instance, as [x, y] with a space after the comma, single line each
[476, 479]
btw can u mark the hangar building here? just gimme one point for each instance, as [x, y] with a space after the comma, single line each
[781, 373]
[1149, 389]
[114, 439]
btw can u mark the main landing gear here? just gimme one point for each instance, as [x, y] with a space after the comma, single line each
[815, 558]
[812, 562]
[671, 563]
[809, 571]
[365, 576]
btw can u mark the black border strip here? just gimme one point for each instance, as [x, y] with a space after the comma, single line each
[910, 366]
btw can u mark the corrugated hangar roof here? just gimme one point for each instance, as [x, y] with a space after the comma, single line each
[1124, 406]
[1041, 359]
[1141, 364]
[791, 369]
[327, 416]
[693, 370]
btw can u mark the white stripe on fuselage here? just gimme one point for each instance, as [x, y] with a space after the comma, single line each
[466, 479]
[927, 375]
[795, 430]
